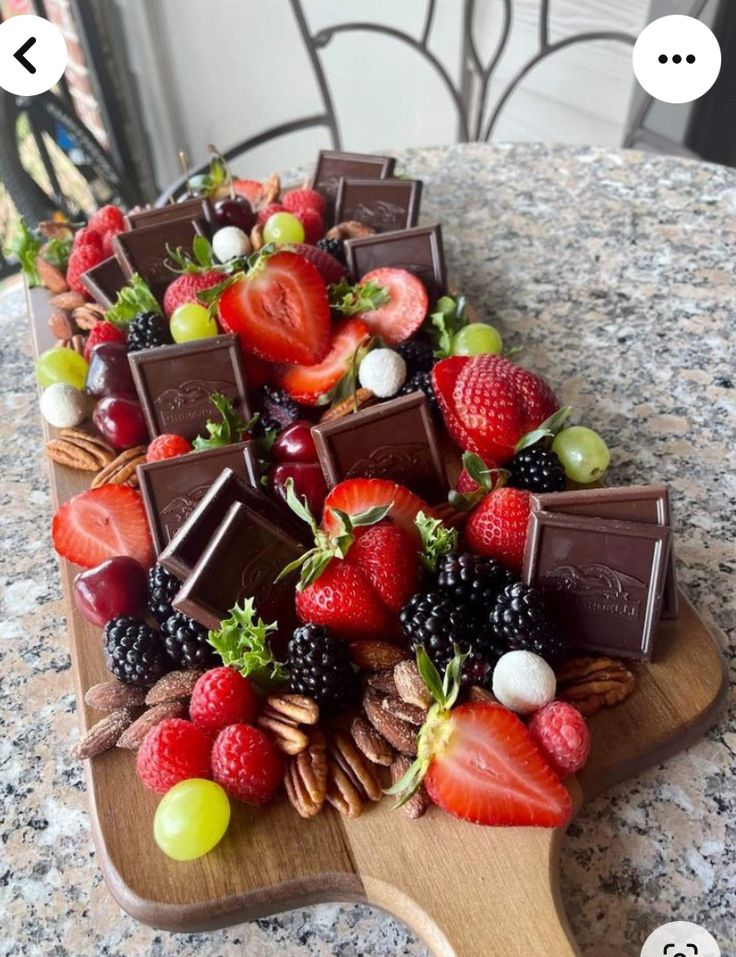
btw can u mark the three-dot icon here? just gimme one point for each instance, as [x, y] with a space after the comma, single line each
[663, 58]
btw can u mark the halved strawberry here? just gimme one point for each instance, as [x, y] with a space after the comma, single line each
[100, 524]
[280, 310]
[406, 310]
[444, 377]
[308, 384]
[487, 769]
[249, 188]
[330, 268]
[355, 496]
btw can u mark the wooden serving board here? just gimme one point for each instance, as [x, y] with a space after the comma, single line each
[464, 890]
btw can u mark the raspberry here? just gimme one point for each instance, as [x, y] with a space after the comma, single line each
[246, 763]
[82, 258]
[269, 210]
[173, 751]
[86, 236]
[102, 332]
[297, 200]
[107, 218]
[314, 227]
[222, 697]
[562, 736]
[167, 446]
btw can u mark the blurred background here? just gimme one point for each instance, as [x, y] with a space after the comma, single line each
[270, 84]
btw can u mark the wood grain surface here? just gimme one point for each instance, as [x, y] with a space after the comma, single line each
[466, 891]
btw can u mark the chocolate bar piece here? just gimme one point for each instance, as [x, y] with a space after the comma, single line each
[417, 250]
[331, 165]
[601, 579]
[394, 440]
[632, 503]
[104, 281]
[174, 383]
[173, 488]
[199, 209]
[189, 543]
[242, 560]
[385, 204]
[144, 251]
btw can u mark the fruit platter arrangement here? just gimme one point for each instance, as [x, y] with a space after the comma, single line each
[341, 549]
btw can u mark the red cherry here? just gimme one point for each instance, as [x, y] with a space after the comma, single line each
[109, 371]
[116, 587]
[295, 443]
[308, 479]
[235, 212]
[120, 421]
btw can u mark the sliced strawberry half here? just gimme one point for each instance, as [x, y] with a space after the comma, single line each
[407, 307]
[100, 524]
[329, 268]
[445, 374]
[249, 188]
[354, 496]
[280, 310]
[488, 770]
[309, 384]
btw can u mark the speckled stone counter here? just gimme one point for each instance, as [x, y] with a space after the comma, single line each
[616, 272]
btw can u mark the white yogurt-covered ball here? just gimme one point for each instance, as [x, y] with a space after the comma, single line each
[523, 682]
[383, 371]
[230, 242]
[63, 406]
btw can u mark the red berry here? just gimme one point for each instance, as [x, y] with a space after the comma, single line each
[343, 600]
[173, 751]
[406, 309]
[185, 288]
[86, 236]
[562, 735]
[82, 258]
[309, 383]
[314, 225]
[102, 332]
[167, 446]
[246, 764]
[329, 268]
[107, 247]
[497, 526]
[222, 697]
[107, 218]
[268, 211]
[297, 200]
[354, 496]
[249, 188]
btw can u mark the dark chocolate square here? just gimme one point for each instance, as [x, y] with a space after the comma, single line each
[104, 281]
[385, 204]
[417, 250]
[199, 209]
[174, 383]
[242, 560]
[173, 488]
[394, 440]
[333, 164]
[601, 579]
[189, 543]
[144, 251]
[627, 503]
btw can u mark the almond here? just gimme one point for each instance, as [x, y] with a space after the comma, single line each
[173, 687]
[383, 681]
[418, 803]
[103, 735]
[111, 695]
[67, 300]
[61, 325]
[375, 747]
[403, 710]
[410, 685]
[399, 734]
[376, 655]
[52, 277]
[132, 738]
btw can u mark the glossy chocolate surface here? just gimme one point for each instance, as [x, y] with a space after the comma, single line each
[385, 205]
[332, 165]
[628, 503]
[601, 579]
[104, 281]
[173, 488]
[417, 250]
[199, 209]
[143, 251]
[394, 440]
[174, 383]
[242, 560]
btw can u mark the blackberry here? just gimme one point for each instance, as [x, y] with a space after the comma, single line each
[277, 409]
[135, 653]
[186, 643]
[537, 469]
[473, 580]
[418, 355]
[320, 667]
[423, 382]
[148, 330]
[521, 621]
[162, 590]
[335, 247]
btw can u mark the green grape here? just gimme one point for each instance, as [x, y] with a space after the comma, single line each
[476, 339]
[283, 228]
[583, 453]
[191, 819]
[61, 365]
[192, 321]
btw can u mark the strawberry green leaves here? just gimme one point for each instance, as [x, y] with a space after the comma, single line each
[487, 480]
[242, 643]
[133, 298]
[437, 540]
[232, 427]
[447, 319]
[362, 297]
[547, 429]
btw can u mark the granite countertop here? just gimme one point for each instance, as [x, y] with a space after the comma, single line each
[616, 271]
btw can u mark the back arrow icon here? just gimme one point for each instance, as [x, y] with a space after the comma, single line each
[20, 57]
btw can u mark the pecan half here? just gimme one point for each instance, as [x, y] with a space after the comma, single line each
[88, 315]
[375, 747]
[353, 403]
[288, 737]
[342, 793]
[103, 735]
[122, 469]
[79, 450]
[418, 803]
[296, 707]
[132, 738]
[399, 734]
[269, 192]
[114, 694]
[594, 683]
[410, 685]
[365, 777]
[305, 777]
[349, 229]
[376, 655]
[52, 277]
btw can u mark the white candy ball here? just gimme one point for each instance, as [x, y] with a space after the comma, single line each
[383, 371]
[229, 243]
[523, 682]
[63, 406]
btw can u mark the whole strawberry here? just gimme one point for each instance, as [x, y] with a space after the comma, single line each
[82, 258]
[489, 403]
[107, 218]
[186, 288]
